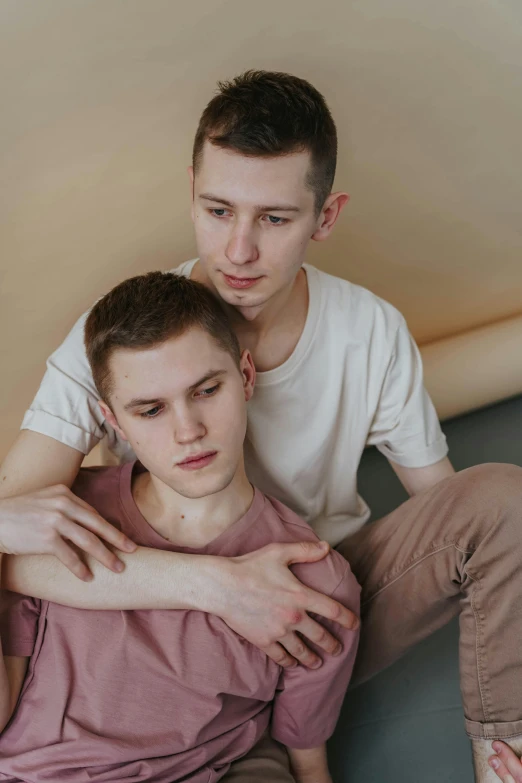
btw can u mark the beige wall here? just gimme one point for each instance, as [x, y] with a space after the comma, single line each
[100, 99]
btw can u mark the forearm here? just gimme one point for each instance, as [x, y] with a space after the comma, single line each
[310, 765]
[36, 461]
[415, 480]
[152, 579]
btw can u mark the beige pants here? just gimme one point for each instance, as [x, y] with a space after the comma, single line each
[455, 549]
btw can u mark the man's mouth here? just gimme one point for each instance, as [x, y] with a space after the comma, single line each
[240, 282]
[196, 461]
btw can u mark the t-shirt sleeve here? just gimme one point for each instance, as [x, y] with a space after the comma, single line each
[405, 427]
[66, 404]
[308, 701]
[18, 623]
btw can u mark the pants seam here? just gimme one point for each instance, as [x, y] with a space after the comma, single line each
[413, 564]
[481, 669]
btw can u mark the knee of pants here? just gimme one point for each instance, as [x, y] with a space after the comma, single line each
[491, 481]
[496, 487]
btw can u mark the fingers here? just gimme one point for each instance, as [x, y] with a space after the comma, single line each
[501, 770]
[90, 544]
[325, 606]
[509, 768]
[311, 551]
[316, 633]
[297, 648]
[80, 511]
[303, 552]
[71, 560]
[279, 655]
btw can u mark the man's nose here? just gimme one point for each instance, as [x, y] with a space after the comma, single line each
[242, 247]
[188, 428]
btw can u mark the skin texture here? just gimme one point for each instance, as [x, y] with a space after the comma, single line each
[39, 514]
[310, 766]
[508, 767]
[506, 763]
[236, 236]
[185, 417]
[416, 480]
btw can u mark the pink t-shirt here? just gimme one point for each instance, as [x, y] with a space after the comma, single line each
[159, 695]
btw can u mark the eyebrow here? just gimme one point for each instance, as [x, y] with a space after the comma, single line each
[258, 207]
[210, 374]
[138, 402]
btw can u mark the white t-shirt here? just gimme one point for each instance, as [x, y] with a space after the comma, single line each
[353, 380]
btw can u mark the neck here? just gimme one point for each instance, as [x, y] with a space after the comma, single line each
[192, 522]
[270, 331]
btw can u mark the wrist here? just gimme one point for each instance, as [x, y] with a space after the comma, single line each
[205, 584]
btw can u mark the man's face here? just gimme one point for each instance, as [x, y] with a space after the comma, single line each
[182, 407]
[253, 218]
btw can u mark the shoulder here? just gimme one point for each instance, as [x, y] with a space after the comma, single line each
[184, 269]
[325, 575]
[73, 345]
[352, 306]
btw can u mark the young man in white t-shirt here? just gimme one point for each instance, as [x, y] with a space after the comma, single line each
[337, 370]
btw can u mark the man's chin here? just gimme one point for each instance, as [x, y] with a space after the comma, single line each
[244, 300]
[201, 489]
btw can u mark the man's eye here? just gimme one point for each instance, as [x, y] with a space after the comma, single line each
[151, 413]
[218, 212]
[210, 391]
[276, 221]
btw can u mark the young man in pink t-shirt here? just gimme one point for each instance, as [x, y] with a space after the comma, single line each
[157, 695]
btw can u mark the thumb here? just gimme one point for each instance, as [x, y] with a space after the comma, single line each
[306, 552]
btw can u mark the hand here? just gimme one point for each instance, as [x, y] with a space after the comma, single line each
[267, 605]
[55, 521]
[506, 763]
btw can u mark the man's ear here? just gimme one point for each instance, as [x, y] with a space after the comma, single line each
[111, 418]
[248, 371]
[329, 214]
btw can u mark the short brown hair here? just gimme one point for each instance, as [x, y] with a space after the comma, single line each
[267, 113]
[147, 310]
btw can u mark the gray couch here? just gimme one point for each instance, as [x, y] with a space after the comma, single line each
[406, 724]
